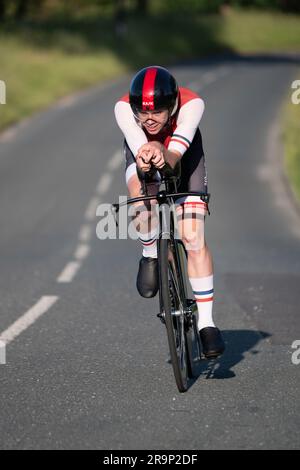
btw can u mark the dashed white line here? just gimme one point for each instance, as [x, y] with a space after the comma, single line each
[194, 85]
[71, 269]
[223, 71]
[104, 183]
[115, 161]
[90, 212]
[85, 233]
[207, 78]
[41, 307]
[69, 272]
[81, 252]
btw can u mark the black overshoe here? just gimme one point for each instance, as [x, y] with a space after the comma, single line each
[212, 342]
[147, 278]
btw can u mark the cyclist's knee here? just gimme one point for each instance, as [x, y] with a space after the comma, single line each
[194, 243]
[144, 216]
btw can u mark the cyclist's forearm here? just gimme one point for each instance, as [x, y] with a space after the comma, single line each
[172, 158]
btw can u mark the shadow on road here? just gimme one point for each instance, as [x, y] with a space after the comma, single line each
[238, 342]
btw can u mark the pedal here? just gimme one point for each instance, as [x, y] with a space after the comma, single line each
[161, 316]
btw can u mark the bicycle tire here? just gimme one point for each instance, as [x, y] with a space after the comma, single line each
[175, 324]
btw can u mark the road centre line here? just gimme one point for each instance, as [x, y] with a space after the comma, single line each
[69, 272]
[115, 161]
[104, 183]
[90, 212]
[207, 78]
[85, 233]
[82, 251]
[29, 317]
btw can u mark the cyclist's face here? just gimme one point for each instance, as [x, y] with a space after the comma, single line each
[153, 121]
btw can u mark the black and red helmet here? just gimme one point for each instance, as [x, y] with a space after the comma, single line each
[153, 88]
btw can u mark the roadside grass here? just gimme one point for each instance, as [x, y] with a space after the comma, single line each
[292, 145]
[253, 31]
[42, 61]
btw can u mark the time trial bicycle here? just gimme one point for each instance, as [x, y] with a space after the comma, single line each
[177, 311]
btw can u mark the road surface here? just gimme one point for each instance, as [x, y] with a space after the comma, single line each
[86, 358]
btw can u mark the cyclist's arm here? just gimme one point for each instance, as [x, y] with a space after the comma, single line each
[188, 121]
[172, 157]
[134, 135]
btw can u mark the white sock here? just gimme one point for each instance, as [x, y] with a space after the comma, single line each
[203, 290]
[149, 242]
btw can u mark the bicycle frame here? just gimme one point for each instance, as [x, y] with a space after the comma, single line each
[165, 200]
[183, 353]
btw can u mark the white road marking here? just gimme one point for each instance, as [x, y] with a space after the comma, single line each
[195, 85]
[41, 307]
[115, 161]
[90, 212]
[85, 233]
[224, 70]
[207, 78]
[81, 252]
[104, 183]
[69, 272]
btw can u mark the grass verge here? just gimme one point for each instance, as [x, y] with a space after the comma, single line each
[43, 61]
[292, 144]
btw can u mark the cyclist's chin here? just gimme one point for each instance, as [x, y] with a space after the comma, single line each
[153, 130]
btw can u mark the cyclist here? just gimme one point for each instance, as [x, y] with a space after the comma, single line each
[160, 123]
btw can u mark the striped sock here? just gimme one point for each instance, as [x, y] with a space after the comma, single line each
[149, 242]
[203, 291]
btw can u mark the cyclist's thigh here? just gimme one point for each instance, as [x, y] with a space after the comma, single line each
[191, 210]
[193, 170]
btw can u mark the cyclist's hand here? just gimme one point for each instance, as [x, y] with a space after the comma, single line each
[153, 152]
[142, 163]
[158, 160]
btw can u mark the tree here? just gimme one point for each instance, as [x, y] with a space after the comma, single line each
[290, 5]
[21, 9]
[142, 6]
[2, 9]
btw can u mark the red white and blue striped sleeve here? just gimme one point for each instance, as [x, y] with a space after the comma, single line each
[188, 121]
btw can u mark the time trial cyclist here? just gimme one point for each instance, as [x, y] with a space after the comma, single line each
[160, 123]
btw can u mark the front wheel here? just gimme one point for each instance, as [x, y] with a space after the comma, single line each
[173, 306]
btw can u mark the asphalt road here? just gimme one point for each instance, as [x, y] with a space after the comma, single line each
[86, 366]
